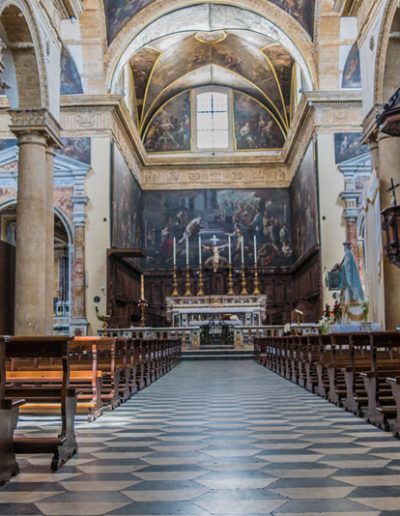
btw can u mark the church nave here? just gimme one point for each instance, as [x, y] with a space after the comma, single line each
[220, 438]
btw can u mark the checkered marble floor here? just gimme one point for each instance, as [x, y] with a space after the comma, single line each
[217, 437]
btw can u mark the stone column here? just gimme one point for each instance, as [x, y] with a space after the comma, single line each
[389, 167]
[79, 323]
[34, 129]
[49, 217]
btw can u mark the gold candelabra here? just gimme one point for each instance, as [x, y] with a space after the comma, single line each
[143, 304]
[188, 288]
[175, 292]
[256, 282]
[231, 292]
[243, 282]
[200, 291]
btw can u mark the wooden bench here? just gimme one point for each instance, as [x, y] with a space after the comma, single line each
[8, 422]
[43, 395]
[385, 362]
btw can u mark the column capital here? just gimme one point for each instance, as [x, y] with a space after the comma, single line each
[38, 121]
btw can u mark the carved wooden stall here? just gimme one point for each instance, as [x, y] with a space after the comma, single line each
[123, 286]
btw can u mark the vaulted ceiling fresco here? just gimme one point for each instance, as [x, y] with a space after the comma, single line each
[119, 12]
[260, 72]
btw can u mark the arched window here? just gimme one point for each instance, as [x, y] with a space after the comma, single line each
[212, 120]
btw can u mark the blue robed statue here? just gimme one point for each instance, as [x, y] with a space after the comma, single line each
[351, 291]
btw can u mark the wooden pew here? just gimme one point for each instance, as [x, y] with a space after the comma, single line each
[340, 354]
[8, 422]
[356, 399]
[311, 360]
[385, 362]
[43, 393]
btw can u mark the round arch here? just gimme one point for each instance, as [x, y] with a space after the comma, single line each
[12, 202]
[21, 30]
[158, 20]
[384, 52]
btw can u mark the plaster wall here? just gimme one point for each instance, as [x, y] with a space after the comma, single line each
[368, 55]
[97, 228]
[332, 228]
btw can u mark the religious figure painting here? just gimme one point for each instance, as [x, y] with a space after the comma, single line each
[119, 12]
[70, 81]
[77, 148]
[127, 207]
[217, 216]
[255, 127]
[170, 130]
[352, 69]
[347, 146]
[304, 202]
[301, 10]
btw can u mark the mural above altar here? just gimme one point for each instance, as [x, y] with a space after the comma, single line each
[190, 311]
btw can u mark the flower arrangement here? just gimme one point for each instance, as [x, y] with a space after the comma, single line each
[365, 308]
[330, 315]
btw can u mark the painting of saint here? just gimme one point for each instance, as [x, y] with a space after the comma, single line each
[70, 81]
[170, 130]
[352, 69]
[301, 10]
[347, 146]
[255, 127]
[303, 194]
[77, 148]
[127, 207]
[216, 215]
[119, 12]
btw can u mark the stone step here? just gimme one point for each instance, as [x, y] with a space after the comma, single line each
[218, 354]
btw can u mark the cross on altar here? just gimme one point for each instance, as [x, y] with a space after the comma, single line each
[392, 190]
[215, 240]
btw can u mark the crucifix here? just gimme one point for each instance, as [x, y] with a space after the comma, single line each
[214, 240]
[392, 190]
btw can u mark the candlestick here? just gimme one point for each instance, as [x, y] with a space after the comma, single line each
[174, 252]
[200, 251]
[242, 248]
[229, 249]
[255, 250]
[188, 288]
[256, 291]
[243, 282]
[175, 292]
[231, 292]
[142, 286]
[187, 251]
[200, 291]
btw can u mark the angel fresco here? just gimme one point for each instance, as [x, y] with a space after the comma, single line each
[301, 10]
[119, 12]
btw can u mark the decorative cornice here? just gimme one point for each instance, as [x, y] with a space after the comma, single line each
[275, 176]
[41, 121]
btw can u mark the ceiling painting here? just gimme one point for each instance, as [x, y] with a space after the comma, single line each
[255, 126]
[119, 12]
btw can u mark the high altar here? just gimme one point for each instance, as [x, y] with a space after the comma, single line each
[217, 319]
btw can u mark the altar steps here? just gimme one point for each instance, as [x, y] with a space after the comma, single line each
[218, 354]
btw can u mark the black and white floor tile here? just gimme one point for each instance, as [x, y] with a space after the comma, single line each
[215, 438]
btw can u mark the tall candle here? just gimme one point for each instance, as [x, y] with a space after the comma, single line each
[229, 249]
[242, 248]
[200, 250]
[187, 251]
[174, 252]
[255, 249]
[142, 286]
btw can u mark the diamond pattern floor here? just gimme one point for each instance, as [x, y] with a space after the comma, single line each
[223, 438]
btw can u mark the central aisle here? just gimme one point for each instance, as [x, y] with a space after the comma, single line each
[218, 437]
